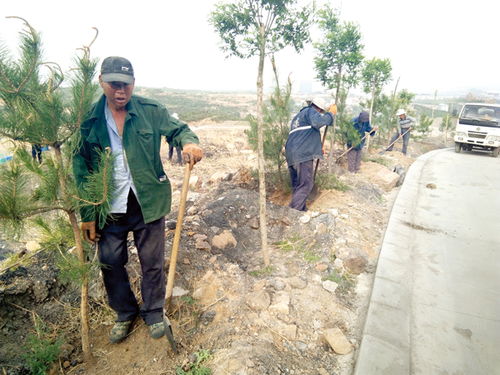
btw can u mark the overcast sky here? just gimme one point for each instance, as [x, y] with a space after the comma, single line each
[433, 45]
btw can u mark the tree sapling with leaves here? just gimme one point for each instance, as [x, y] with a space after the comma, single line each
[250, 28]
[35, 112]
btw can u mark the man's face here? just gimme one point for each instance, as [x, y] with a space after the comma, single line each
[118, 94]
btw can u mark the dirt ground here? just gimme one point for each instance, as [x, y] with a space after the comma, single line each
[253, 319]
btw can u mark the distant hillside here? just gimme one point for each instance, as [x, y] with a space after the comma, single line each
[198, 105]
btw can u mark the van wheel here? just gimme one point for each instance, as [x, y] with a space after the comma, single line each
[458, 147]
[495, 152]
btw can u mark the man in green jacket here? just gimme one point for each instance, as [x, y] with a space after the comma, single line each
[131, 126]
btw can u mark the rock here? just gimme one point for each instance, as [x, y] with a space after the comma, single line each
[201, 244]
[254, 223]
[304, 219]
[224, 240]
[329, 285]
[40, 291]
[258, 300]
[171, 224]
[380, 175]
[194, 182]
[356, 263]
[281, 303]
[287, 330]
[322, 371]
[207, 316]
[297, 283]
[314, 214]
[193, 210]
[321, 267]
[208, 288]
[186, 261]
[179, 292]
[66, 350]
[337, 341]
[334, 212]
[32, 246]
[277, 284]
[286, 221]
[401, 172]
[220, 176]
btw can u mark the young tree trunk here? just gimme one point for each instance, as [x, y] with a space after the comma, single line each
[84, 313]
[371, 117]
[332, 141]
[260, 148]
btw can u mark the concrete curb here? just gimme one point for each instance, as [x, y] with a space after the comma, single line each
[386, 342]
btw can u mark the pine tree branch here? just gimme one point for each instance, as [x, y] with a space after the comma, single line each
[104, 181]
[34, 65]
[21, 260]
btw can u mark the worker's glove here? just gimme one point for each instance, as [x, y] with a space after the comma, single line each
[192, 153]
[333, 109]
[89, 233]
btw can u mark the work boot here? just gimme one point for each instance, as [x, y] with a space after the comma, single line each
[157, 330]
[120, 331]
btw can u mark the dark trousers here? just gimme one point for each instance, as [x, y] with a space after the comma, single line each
[406, 140]
[113, 254]
[171, 154]
[302, 184]
[354, 160]
[36, 152]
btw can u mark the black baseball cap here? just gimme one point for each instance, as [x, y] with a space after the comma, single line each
[117, 69]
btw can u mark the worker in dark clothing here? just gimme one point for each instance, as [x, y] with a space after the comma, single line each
[406, 123]
[303, 146]
[131, 127]
[36, 152]
[362, 126]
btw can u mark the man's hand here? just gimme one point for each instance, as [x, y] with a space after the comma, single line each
[89, 233]
[192, 153]
[333, 109]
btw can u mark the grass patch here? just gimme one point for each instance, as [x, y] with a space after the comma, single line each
[196, 367]
[262, 272]
[345, 281]
[380, 160]
[41, 349]
[303, 246]
[329, 181]
[311, 257]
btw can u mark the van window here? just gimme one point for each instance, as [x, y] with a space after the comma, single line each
[480, 115]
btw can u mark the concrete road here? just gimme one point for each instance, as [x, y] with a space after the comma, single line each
[435, 304]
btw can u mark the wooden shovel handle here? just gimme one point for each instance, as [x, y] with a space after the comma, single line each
[177, 235]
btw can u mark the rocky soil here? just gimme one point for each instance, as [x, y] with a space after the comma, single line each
[301, 315]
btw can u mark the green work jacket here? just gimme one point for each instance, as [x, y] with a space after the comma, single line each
[146, 121]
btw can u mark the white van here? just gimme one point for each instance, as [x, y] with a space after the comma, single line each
[478, 126]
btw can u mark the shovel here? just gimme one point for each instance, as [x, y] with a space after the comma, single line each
[315, 190]
[397, 139]
[350, 148]
[175, 251]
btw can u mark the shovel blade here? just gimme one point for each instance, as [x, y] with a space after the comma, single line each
[170, 335]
